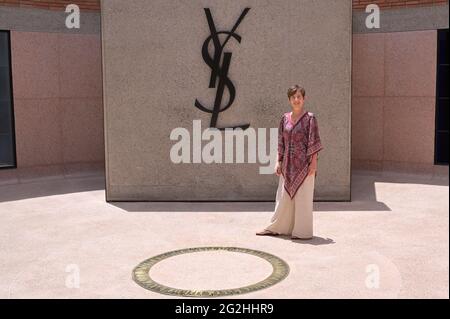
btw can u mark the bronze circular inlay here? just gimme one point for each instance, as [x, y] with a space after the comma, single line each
[142, 277]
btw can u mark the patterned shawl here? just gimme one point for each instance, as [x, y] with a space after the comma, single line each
[297, 142]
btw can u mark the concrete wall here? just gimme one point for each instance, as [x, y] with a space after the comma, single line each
[394, 91]
[57, 88]
[57, 101]
[374, 135]
[154, 71]
[394, 97]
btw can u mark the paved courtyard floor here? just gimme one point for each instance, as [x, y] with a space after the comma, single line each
[60, 239]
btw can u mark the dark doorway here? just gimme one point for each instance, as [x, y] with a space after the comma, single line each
[7, 136]
[442, 100]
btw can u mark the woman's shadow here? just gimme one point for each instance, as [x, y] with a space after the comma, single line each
[315, 241]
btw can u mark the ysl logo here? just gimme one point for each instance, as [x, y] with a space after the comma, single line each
[220, 72]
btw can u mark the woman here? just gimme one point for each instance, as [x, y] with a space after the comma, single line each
[298, 147]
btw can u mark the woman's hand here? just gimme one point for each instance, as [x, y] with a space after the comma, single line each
[312, 171]
[278, 169]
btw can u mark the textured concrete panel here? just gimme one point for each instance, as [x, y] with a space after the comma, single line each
[82, 130]
[81, 65]
[35, 66]
[368, 64]
[57, 102]
[38, 132]
[153, 72]
[409, 129]
[367, 128]
[410, 63]
[407, 63]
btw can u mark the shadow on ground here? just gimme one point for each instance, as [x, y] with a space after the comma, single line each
[315, 241]
[363, 195]
[50, 187]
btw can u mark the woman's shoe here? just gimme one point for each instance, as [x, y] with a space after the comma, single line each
[266, 232]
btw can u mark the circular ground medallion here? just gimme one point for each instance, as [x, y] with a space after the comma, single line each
[141, 274]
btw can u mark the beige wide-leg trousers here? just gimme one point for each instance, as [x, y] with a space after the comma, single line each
[294, 216]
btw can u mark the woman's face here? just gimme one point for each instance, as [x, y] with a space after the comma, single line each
[297, 100]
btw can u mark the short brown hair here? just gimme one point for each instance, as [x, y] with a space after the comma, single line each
[294, 89]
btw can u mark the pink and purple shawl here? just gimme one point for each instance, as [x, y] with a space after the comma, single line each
[297, 143]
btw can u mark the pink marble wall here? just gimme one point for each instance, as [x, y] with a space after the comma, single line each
[393, 109]
[58, 108]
